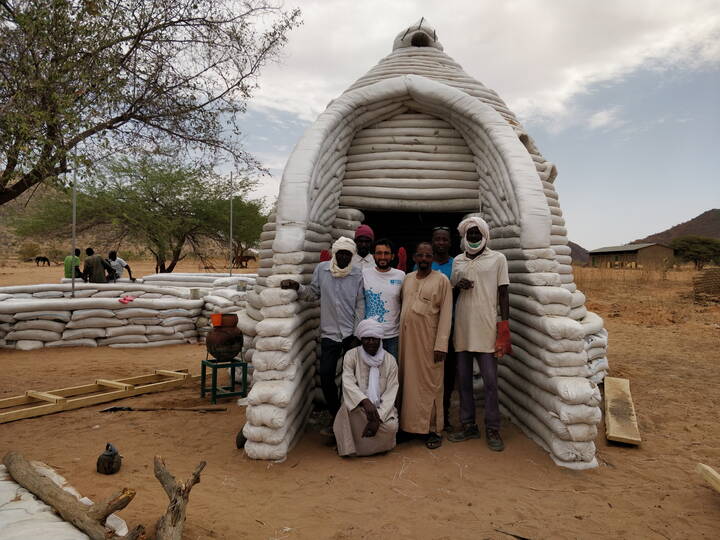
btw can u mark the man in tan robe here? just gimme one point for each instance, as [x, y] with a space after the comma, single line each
[425, 322]
[367, 420]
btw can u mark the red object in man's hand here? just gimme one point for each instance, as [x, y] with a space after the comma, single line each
[402, 259]
[325, 255]
[502, 341]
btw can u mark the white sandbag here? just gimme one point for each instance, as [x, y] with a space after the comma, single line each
[218, 300]
[143, 345]
[578, 299]
[128, 330]
[184, 327]
[285, 326]
[132, 313]
[530, 305]
[536, 364]
[246, 324]
[278, 452]
[85, 293]
[282, 343]
[6, 318]
[277, 296]
[28, 345]
[83, 333]
[532, 266]
[350, 214]
[80, 314]
[555, 327]
[555, 359]
[149, 321]
[538, 279]
[569, 286]
[48, 294]
[96, 322]
[229, 294]
[156, 329]
[567, 413]
[264, 434]
[108, 294]
[122, 339]
[279, 360]
[598, 365]
[578, 313]
[598, 378]
[63, 316]
[277, 417]
[72, 343]
[567, 432]
[296, 257]
[40, 324]
[164, 337]
[543, 294]
[253, 299]
[596, 352]
[543, 340]
[177, 321]
[33, 335]
[591, 324]
[254, 313]
[286, 310]
[278, 393]
[572, 390]
[596, 340]
[580, 455]
[175, 312]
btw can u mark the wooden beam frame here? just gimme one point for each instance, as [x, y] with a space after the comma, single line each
[76, 397]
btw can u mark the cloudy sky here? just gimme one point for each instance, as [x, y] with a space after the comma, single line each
[623, 96]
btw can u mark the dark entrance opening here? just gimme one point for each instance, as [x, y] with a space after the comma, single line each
[407, 229]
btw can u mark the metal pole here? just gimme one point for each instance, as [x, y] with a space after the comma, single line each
[231, 224]
[74, 221]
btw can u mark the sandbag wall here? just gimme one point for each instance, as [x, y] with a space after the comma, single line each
[37, 316]
[281, 334]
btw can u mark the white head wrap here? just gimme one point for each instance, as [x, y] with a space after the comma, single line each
[372, 328]
[342, 243]
[467, 224]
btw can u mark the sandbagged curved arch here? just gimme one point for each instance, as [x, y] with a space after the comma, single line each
[311, 179]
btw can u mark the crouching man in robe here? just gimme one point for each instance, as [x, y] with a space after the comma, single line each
[367, 421]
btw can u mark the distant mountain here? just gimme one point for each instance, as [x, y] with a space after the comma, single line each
[579, 254]
[706, 224]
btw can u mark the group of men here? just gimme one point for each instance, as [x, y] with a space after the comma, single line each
[405, 340]
[95, 268]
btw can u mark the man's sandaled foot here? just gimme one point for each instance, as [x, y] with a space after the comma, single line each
[469, 431]
[433, 441]
[494, 441]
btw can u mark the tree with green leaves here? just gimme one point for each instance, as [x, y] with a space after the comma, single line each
[699, 250]
[169, 209]
[86, 79]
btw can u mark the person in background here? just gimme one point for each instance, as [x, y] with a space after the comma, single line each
[95, 267]
[383, 284]
[442, 262]
[338, 283]
[118, 265]
[367, 421]
[72, 265]
[481, 276]
[425, 322]
[364, 237]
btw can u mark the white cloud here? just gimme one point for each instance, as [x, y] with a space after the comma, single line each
[537, 55]
[605, 119]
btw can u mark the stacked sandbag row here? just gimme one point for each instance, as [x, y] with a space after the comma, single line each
[410, 159]
[346, 221]
[195, 280]
[283, 334]
[137, 289]
[91, 322]
[225, 299]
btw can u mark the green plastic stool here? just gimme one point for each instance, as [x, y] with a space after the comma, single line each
[222, 391]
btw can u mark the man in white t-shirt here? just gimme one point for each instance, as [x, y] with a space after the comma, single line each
[118, 265]
[383, 284]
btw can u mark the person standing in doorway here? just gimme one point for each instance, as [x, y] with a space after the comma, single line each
[425, 321]
[338, 284]
[383, 284]
[364, 238]
[481, 276]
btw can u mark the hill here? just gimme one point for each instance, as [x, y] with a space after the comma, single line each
[579, 254]
[706, 224]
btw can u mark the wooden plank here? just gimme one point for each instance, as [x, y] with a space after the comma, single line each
[175, 374]
[710, 475]
[45, 396]
[620, 420]
[142, 384]
[114, 384]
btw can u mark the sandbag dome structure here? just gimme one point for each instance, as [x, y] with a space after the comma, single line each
[418, 134]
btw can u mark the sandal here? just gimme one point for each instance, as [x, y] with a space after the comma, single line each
[433, 441]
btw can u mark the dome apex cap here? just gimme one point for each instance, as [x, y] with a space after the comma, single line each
[418, 34]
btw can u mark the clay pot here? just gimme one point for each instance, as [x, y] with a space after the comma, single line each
[224, 342]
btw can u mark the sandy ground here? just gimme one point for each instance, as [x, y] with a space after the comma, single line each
[660, 340]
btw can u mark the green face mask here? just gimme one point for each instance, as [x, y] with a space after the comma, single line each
[474, 245]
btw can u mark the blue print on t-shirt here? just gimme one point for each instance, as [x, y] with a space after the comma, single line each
[374, 305]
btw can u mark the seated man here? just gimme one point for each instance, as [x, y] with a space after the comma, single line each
[367, 421]
[118, 265]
